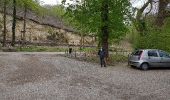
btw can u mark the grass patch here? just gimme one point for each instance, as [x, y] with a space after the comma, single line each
[111, 61]
[118, 58]
[40, 49]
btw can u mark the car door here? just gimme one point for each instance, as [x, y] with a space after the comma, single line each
[165, 59]
[153, 58]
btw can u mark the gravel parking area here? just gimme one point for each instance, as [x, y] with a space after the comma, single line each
[48, 76]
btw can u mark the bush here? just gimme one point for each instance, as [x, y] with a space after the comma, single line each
[116, 58]
[153, 40]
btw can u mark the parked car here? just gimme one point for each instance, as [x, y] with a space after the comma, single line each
[147, 58]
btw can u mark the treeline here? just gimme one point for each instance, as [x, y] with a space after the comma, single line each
[14, 5]
[34, 6]
[150, 27]
[107, 20]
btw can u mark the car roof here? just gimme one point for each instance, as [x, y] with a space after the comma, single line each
[147, 49]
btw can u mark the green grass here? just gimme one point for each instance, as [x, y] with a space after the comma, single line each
[118, 58]
[51, 49]
[112, 60]
[40, 49]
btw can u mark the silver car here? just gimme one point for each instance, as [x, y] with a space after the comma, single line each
[149, 58]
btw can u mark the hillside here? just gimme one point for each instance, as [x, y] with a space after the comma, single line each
[42, 29]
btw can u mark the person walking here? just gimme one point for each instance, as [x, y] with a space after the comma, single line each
[102, 55]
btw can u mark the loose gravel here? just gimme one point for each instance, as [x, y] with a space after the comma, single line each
[48, 76]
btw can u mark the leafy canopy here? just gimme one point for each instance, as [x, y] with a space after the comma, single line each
[87, 16]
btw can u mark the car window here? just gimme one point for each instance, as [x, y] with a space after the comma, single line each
[152, 54]
[137, 53]
[164, 54]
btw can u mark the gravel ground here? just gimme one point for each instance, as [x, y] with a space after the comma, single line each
[47, 76]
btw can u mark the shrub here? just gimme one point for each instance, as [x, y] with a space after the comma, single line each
[116, 58]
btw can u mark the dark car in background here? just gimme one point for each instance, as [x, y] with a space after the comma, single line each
[146, 58]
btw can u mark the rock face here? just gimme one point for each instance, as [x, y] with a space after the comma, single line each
[36, 32]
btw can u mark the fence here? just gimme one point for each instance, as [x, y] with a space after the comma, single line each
[78, 54]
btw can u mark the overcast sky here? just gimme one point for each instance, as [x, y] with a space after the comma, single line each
[136, 3]
[51, 2]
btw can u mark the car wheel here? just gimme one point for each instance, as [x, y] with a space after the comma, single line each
[145, 66]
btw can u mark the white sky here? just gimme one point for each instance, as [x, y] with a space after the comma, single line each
[136, 3]
[51, 2]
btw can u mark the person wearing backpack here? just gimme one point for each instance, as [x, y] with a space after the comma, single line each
[102, 55]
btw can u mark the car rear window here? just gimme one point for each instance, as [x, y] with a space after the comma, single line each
[137, 53]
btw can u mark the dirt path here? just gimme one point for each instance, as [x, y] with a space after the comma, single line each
[47, 76]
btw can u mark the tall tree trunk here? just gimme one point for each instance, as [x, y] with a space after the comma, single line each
[14, 23]
[105, 27]
[161, 12]
[140, 19]
[24, 27]
[4, 21]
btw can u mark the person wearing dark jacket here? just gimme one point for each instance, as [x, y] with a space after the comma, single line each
[102, 55]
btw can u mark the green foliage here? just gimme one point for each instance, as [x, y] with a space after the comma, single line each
[57, 11]
[115, 58]
[154, 39]
[32, 5]
[87, 17]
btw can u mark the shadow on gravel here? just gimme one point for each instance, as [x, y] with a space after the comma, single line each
[160, 68]
[153, 68]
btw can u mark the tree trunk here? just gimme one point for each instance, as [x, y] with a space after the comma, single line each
[105, 27]
[24, 27]
[4, 21]
[161, 12]
[14, 23]
[140, 19]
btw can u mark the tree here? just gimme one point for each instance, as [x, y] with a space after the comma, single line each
[163, 13]
[4, 23]
[5, 2]
[139, 20]
[24, 26]
[151, 22]
[13, 23]
[106, 18]
[105, 24]
[27, 5]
